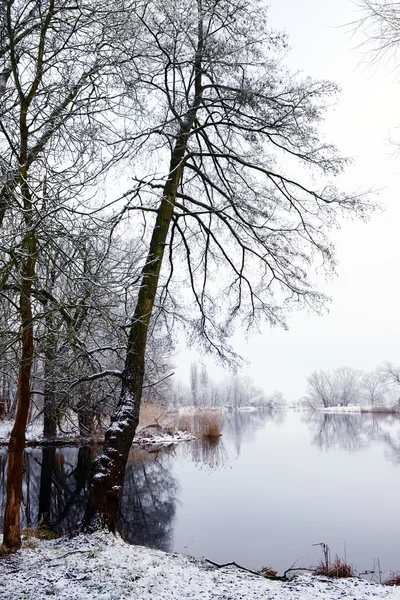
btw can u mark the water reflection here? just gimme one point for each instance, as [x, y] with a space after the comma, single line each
[241, 426]
[149, 499]
[208, 453]
[55, 492]
[263, 493]
[351, 432]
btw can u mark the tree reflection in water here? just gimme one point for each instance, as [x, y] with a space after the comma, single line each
[55, 492]
[242, 425]
[207, 453]
[350, 432]
[148, 501]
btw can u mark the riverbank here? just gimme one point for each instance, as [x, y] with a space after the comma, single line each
[147, 435]
[103, 567]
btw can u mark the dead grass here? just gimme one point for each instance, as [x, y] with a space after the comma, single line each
[150, 414]
[37, 532]
[184, 423]
[4, 551]
[209, 424]
[393, 580]
[336, 569]
[268, 572]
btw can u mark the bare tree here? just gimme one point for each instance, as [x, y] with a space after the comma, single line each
[375, 387]
[380, 24]
[56, 58]
[340, 387]
[320, 389]
[232, 123]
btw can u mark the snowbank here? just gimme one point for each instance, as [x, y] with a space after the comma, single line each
[102, 567]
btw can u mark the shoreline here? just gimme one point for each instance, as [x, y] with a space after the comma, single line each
[102, 566]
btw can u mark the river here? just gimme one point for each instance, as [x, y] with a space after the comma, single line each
[273, 486]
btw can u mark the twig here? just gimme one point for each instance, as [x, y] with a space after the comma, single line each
[233, 564]
[149, 385]
[296, 569]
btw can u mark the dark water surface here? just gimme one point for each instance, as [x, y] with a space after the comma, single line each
[272, 487]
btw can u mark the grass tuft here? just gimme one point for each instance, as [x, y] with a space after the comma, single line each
[393, 580]
[268, 572]
[37, 532]
[4, 550]
[336, 569]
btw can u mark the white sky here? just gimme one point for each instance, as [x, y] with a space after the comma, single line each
[362, 328]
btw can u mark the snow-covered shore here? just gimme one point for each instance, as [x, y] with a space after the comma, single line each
[103, 567]
[355, 408]
[146, 436]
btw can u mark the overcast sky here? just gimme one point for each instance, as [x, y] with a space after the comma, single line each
[362, 327]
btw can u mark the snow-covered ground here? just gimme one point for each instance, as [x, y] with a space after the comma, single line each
[103, 567]
[144, 436]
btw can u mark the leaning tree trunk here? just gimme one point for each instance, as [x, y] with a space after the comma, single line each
[108, 469]
[107, 476]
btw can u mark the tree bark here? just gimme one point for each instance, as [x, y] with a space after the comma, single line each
[12, 517]
[105, 488]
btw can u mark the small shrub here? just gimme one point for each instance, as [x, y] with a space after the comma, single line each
[393, 580]
[336, 569]
[38, 532]
[209, 424]
[268, 572]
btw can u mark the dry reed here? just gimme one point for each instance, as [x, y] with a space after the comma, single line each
[209, 424]
[336, 569]
[394, 580]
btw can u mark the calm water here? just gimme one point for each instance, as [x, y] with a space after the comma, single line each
[270, 489]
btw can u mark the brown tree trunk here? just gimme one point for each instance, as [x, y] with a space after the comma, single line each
[105, 487]
[12, 517]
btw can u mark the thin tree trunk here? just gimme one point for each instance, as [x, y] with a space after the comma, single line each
[46, 474]
[86, 421]
[3, 408]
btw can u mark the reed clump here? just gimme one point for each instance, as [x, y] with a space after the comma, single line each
[184, 423]
[338, 568]
[209, 424]
[393, 580]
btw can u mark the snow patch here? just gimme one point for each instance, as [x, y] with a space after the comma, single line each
[103, 567]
